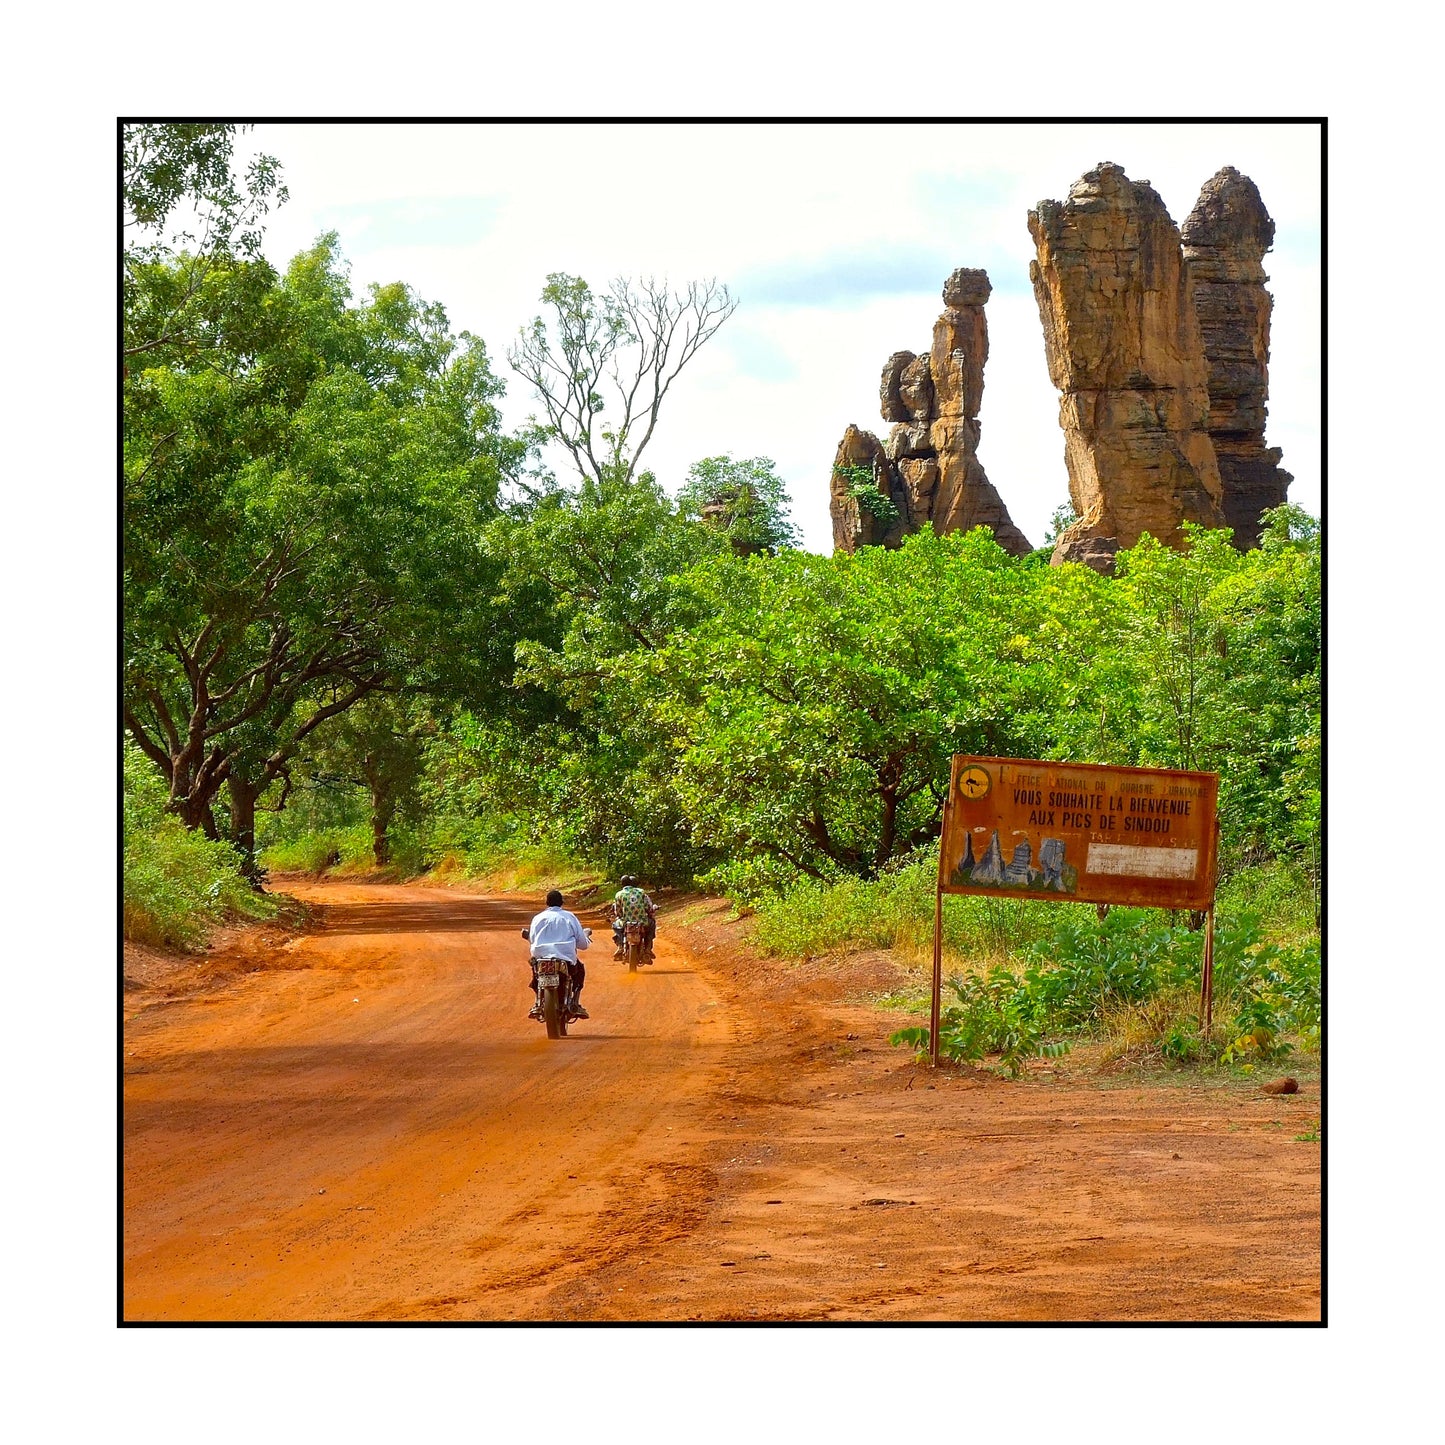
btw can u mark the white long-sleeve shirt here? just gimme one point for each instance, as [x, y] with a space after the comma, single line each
[556, 933]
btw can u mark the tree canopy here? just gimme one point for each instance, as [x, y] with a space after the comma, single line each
[301, 522]
[185, 213]
[745, 500]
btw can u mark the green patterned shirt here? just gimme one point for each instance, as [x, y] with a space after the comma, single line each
[632, 905]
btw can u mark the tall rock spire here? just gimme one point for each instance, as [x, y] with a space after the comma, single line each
[928, 471]
[1225, 239]
[964, 497]
[1124, 350]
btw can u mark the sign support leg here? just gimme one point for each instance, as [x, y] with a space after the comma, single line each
[937, 977]
[1206, 981]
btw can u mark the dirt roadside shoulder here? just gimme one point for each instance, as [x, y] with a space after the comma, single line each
[152, 976]
[850, 1182]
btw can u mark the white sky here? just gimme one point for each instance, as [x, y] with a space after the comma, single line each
[836, 239]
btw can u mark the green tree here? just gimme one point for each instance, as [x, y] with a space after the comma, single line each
[1173, 637]
[814, 709]
[621, 348]
[379, 747]
[1064, 516]
[1265, 733]
[746, 500]
[597, 572]
[186, 214]
[1211, 660]
[301, 527]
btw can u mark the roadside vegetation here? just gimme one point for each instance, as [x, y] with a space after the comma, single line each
[367, 630]
[176, 884]
[1131, 979]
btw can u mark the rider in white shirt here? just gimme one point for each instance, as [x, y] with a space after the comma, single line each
[556, 933]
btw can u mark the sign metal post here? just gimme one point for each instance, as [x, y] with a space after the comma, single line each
[1206, 972]
[934, 1012]
[1206, 975]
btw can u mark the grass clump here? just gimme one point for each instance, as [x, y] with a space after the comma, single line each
[489, 851]
[1280, 893]
[318, 850]
[176, 884]
[895, 911]
[497, 852]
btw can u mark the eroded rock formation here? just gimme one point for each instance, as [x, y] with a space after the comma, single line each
[1225, 239]
[928, 471]
[858, 521]
[1125, 351]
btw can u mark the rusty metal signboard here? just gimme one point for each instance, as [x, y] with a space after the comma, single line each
[1079, 833]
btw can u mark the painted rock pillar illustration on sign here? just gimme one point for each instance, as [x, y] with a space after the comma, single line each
[1080, 832]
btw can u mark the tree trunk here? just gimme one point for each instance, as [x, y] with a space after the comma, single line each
[380, 843]
[888, 831]
[383, 810]
[243, 795]
[195, 812]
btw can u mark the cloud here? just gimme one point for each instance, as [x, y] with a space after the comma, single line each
[844, 277]
[415, 221]
[757, 353]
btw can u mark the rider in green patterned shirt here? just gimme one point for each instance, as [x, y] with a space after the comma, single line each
[632, 905]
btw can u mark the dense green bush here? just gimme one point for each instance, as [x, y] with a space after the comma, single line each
[778, 728]
[1136, 976]
[176, 884]
[448, 843]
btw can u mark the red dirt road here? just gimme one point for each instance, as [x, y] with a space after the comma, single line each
[363, 1125]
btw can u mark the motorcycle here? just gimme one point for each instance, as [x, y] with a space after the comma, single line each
[555, 992]
[634, 946]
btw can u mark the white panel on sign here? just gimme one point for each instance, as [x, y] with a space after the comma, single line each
[1122, 859]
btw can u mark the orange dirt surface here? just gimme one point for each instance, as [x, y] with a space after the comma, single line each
[360, 1123]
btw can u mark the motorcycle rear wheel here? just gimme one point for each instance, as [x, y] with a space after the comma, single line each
[552, 1014]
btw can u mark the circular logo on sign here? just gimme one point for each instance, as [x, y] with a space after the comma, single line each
[974, 782]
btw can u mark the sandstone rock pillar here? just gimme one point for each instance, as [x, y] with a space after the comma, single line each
[964, 498]
[1225, 239]
[928, 468]
[1125, 352]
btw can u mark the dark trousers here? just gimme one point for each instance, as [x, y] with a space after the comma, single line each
[579, 977]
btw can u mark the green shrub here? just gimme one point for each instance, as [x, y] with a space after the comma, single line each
[1272, 991]
[176, 884]
[994, 1015]
[1087, 965]
[1133, 978]
[316, 851]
